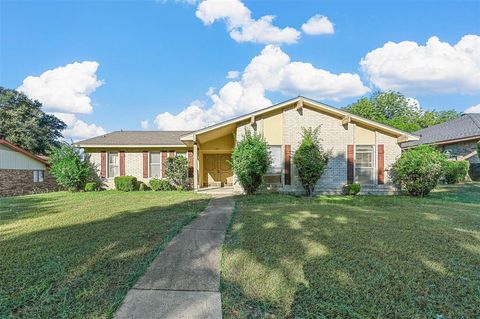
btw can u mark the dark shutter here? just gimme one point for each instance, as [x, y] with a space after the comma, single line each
[350, 160]
[381, 164]
[122, 163]
[164, 162]
[145, 164]
[287, 170]
[103, 164]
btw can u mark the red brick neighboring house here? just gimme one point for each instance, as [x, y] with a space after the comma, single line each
[22, 172]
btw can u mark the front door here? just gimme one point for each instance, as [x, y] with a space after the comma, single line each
[217, 170]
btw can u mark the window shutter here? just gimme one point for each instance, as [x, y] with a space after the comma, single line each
[122, 163]
[350, 161]
[190, 163]
[288, 155]
[145, 164]
[164, 163]
[103, 164]
[381, 164]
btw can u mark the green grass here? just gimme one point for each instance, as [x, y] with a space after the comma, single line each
[354, 257]
[75, 255]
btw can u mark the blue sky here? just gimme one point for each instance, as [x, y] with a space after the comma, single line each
[151, 60]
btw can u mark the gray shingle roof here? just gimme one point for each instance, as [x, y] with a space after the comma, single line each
[147, 138]
[468, 125]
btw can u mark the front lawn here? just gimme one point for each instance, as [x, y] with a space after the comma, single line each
[75, 255]
[354, 257]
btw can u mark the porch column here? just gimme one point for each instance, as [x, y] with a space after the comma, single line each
[195, 166]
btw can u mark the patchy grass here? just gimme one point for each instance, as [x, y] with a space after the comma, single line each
[75, 255]
[354, 257]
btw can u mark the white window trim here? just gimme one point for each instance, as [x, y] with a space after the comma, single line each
[374, 163]
[160, 164]
[37, 180]
[108, 164]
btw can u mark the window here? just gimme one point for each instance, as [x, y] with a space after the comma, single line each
[155, 164]
[182, 154]
[276, 155]
[112, 164]
[364, 164]
[38, 176]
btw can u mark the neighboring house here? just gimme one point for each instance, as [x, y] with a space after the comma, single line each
[21, 172]
[362, 150]
[457, 138]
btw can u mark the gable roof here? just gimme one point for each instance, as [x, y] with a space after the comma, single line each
[466, 126]
[16, 148]
[311, 103]
[135, 139]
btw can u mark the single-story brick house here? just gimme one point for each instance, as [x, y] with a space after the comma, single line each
[22, 172]
[457, 138]
[362, 150]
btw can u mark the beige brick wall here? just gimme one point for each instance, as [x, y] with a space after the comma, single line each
[335, 138]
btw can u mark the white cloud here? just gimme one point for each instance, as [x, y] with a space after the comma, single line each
[473, 109]
[240, 24]
[78, 129]
[413, 103]
[66, 88]
[318, 24]
[233, 75]
[270, 71]
[436, 67]
[210, 91]
[145, 124]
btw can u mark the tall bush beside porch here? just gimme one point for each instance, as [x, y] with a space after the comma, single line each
[250, 161]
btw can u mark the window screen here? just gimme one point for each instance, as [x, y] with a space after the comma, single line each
[276, 155]
[364, 164]
[112, 164]
[155, 164]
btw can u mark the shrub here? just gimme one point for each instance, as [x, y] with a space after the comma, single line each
[143, 187]
[250, 161]
[177, 172]
[418, 170]
[352, 189]
[69, 168]
[478, 149]
[125, 183]
[310, 159]
[455, 171]
[91, 187]
[160, 185]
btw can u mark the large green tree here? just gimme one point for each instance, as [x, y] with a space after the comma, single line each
[392, 108]
[23, 123]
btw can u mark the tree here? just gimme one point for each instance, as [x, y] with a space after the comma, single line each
[392, 108]
[70, 170]
[23, 123]
[310, 159]
[418, 170]
[250, 161]
[177, 172]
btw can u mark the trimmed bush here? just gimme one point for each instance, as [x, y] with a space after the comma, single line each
[310, 159]
[125, 183]
[250, 161]
[160, 185]
[91, 187]
[352, 189]
[455, 171]
[177, 172]
[418, 170]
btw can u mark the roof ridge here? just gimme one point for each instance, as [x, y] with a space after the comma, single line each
[475, 121]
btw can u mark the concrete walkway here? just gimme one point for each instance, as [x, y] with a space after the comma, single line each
[184, 280]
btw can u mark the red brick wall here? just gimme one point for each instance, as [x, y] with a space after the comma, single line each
[15, 182]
